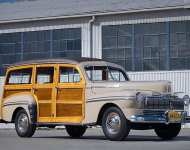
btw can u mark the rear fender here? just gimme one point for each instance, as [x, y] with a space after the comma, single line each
[25, 101]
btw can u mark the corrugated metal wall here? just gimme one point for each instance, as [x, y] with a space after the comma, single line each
[180, 79]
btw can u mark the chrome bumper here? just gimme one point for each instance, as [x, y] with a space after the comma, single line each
[158, 117]
[187, 119]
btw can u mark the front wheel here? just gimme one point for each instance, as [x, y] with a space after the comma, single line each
[75, 131]
[114, 124]
[23, 126]
[168, 132]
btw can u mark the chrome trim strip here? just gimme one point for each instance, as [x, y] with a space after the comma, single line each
[15, 103]
[111, 98]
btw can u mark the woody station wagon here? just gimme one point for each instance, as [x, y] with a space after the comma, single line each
[85, 93]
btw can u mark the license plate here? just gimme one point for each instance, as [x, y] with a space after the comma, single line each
[174, 116]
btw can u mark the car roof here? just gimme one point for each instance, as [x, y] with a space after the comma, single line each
[50, 61]
[81, 61]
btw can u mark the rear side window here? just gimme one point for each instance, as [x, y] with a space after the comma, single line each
[69, 75]
[45, 75]
[21, 76]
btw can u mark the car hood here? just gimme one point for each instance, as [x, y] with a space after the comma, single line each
[135, 86]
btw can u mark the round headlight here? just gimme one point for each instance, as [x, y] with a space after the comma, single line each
[186, 100]
[140, 97]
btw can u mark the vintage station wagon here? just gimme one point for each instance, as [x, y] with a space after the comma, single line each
[85, 93]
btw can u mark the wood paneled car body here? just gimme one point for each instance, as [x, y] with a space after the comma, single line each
[79, 94]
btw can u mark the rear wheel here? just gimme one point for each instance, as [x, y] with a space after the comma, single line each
[75, 131]
[23, 125]
[168, 132]
[114, 124]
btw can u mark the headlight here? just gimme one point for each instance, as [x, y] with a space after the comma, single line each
[169, 88]
[186, 100]
[140, 97]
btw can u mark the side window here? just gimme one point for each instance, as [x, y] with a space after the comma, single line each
[21, 76]
[44, 75]
[97, 73]
[69, 75]
[116, 75]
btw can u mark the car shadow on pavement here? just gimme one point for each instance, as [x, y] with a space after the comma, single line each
[131, 138]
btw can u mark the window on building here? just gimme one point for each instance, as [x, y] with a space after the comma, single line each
[36, 45]
[117, 44]
[150, 45]
[67, 43]
[15, 47]
[179, 45]
[136, 47]
[10, 49]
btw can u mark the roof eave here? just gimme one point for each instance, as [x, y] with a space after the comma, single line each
[93, 14]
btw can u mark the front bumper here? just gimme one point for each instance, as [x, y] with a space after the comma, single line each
[161, 108]
[159, 117]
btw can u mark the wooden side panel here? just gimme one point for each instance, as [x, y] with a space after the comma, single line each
[44, 93]
[9, 92]
[45, 109]
[44, 96]
[68, 110]
[69, 102]
[70, 94]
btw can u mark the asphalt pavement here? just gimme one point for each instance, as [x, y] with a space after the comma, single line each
[57, 139]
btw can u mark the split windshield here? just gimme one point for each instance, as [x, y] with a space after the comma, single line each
[105, 73]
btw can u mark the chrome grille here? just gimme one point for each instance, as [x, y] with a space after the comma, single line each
[153, 112]
[163, 102]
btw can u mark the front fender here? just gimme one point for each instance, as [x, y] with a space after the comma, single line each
[93, 108]
[23, 100]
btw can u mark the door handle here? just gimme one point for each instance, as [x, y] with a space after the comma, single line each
[57, 88]
[34, 89]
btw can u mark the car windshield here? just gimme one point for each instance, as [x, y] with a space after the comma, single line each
[105, 73]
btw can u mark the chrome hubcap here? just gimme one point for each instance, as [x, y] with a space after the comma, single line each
[113, 123]
[22, 123]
